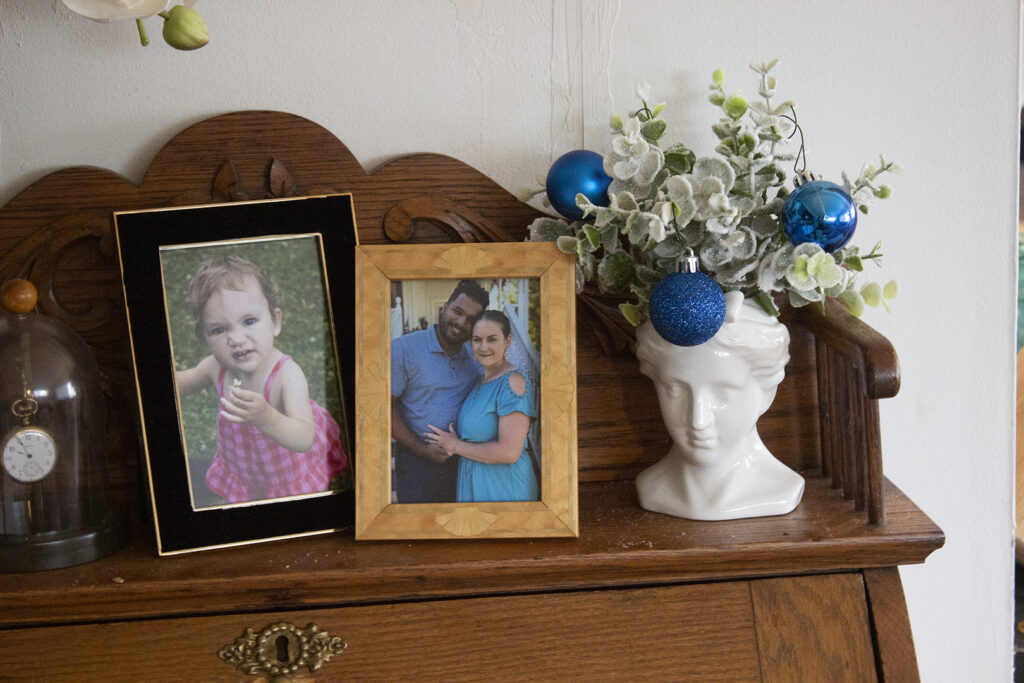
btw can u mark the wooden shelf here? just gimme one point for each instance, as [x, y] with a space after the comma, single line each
[620, 545]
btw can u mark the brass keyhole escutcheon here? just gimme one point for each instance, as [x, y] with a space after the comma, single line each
[281, 649]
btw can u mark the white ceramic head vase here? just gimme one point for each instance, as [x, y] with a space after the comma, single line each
[711, 396]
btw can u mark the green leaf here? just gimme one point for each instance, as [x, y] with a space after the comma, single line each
[657, 109]
[891, 289]
[593, 236]
[642, 293]
[767, 303]
[716, 98]
[736, 106]
[718, 77]
[679, 159]
[654, 129]
[616, 123]
[854, 263]
[631, 312]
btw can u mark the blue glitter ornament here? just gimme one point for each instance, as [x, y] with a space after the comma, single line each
[819, 211]
[687, 307]
[577, 172]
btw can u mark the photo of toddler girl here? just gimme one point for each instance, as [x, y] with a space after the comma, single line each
[272, 439]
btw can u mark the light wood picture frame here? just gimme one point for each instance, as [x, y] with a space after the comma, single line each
[377, 269]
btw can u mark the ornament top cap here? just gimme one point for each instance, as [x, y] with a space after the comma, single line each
[804, 177]
[18, 296]
[689, 263]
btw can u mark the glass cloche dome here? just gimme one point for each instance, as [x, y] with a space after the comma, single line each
[55, 504]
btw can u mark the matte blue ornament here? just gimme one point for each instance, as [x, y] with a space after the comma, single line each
[819, 211]
[577, 172]
[687, 307]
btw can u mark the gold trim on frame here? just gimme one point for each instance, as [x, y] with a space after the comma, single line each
[556, 514]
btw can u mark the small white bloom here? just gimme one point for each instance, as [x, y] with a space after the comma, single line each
[114, 10]
[643, 90]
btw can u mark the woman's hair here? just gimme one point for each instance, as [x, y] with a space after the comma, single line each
[748, 332]
[227, 272]
[495, 317]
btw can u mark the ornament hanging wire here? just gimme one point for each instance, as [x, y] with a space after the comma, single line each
[800, 163]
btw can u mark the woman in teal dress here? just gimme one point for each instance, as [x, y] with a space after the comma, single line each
[493, 423]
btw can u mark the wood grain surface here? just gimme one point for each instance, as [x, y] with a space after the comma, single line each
[813, 628]
[620, 545]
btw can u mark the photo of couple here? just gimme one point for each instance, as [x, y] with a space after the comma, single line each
[465, 369]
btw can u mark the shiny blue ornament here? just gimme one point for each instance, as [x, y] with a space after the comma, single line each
[687, 308]
[819, 211]
[577, 172]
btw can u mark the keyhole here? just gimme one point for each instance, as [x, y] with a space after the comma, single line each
[281, 643]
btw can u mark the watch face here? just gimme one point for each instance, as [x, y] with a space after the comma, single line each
[29, 454]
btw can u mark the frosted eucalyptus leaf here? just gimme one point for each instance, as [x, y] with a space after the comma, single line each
[624, 169]
[587, 265]
[650, 165]
[711, 167]
[648, 276]
[715, 254]
[615, 272]
[892, 288]
[548, 229]
[567, 244]
[625, 201]
[605, 216]
[767, 280]
[872, 294]
[671, 247]
[593, 236]
[693, 233]
[853, 301]
[584, 204]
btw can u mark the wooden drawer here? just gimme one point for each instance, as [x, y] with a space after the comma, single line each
[814, 628]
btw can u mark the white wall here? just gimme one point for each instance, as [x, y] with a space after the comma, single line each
[507, 86]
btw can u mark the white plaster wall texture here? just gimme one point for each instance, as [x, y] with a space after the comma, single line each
[508, 86]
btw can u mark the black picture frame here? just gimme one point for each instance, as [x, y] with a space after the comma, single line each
[141, 237]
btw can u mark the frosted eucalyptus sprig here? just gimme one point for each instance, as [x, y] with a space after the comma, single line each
[726, 207]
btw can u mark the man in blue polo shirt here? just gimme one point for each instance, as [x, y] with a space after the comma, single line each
[432, 370]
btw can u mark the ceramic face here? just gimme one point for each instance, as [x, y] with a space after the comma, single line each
[709, 402]
[240, 328]
[457, 318]
[489, 343]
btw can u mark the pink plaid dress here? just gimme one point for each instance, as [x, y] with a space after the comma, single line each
[250, 466]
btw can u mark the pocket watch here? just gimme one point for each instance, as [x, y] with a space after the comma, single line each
[29, 452]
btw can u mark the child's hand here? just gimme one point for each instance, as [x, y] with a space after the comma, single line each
[245, 407]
